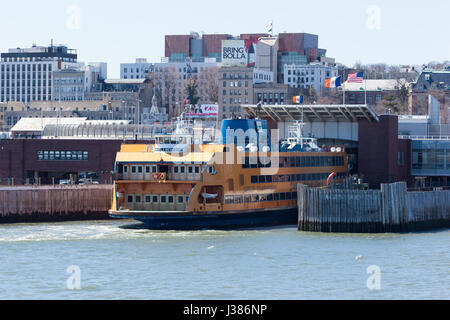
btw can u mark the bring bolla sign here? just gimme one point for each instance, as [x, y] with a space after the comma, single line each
[234, 53]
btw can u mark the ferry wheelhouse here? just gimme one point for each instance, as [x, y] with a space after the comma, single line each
[176, 184]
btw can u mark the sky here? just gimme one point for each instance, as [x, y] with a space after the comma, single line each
[117, 31]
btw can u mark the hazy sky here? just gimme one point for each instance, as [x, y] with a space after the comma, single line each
[390, 31]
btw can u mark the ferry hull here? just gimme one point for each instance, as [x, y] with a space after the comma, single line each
[217, 221]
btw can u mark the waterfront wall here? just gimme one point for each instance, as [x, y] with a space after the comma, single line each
[54, 203]
[391, 209]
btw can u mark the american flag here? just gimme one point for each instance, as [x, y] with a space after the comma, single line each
[356, 77]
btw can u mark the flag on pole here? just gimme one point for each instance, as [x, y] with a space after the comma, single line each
[333, 82]
[298, 100]
[356, 77]
[270, 28]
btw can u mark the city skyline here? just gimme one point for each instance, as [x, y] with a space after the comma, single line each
[359, 31]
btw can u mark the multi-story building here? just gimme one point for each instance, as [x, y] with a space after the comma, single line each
[47, 73]
[429, 82]
[208, 47]
[308, 76]
[68, 85]
[372, 92]
[297, 49]
[273, 94]
[27, 74]
[138, 70]
[235, 89]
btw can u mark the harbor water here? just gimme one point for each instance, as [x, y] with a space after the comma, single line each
[120, 260]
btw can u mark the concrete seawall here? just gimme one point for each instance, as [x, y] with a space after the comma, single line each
[54, 203]
[391, 209]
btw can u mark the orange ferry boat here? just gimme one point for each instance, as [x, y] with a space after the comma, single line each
[177, 185]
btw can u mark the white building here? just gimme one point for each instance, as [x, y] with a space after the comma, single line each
[309, 76]
[27, 74]
[262, 76]
[138, 70]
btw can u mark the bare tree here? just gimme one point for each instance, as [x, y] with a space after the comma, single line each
[209, 84]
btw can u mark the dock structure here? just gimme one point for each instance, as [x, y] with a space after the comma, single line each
[54, 203]
[390, 210]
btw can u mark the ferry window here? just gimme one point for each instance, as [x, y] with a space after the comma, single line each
[190, 169]
[254, 198]
[294, 195]
[182, 169]
[154, 169]
[138, 199]
[139, 169]
[262, 179]
[175, 169]
[180, 199]
[247, 199]
[147, 169]
[298, 162]
[282, 196]
[263, 197]
[148, 199]
[85, 155]
[254, 179]
[292, 162]
[253, 163]
[268, 179]
[276, 196]
[40, 155]
[171, 199]
[133, 169]
[229, 199]
[270, 197]
[130, 199]
[197, 170]
[246, 163]
[288, 196]
[125, 169]
[155, 199]
[302, 162]
[163, 199]
[237, 199]
[307, 162]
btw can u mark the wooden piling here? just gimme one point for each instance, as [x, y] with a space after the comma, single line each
[54, 203]
[392, 209]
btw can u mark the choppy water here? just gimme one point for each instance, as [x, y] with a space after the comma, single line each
[281, 263]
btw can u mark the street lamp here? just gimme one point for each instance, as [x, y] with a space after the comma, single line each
[139, 116]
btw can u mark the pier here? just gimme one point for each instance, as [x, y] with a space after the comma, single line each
[27, 204]
[390, 210]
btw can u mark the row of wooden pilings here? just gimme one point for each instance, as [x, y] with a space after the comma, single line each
[389, 210]
[54, 203]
